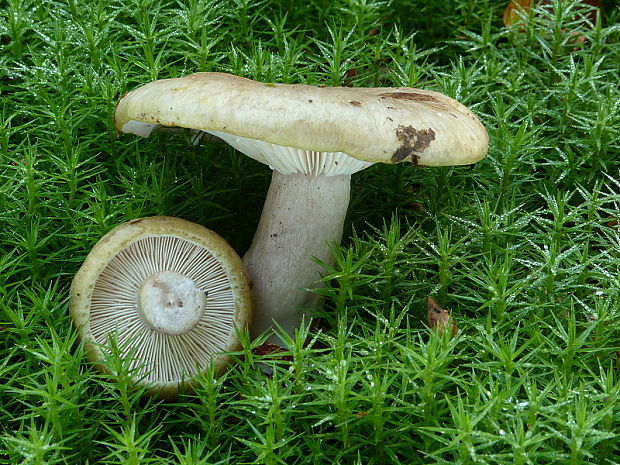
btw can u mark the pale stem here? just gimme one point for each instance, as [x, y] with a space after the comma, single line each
[302, 216]
[170, 303]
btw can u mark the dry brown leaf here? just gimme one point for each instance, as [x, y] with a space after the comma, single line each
[267, 348]
[612, 223]
[517, 9]
[416, 206]
[439, 318]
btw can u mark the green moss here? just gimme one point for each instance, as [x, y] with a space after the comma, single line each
[522, 248]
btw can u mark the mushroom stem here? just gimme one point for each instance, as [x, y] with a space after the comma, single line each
[301, 216]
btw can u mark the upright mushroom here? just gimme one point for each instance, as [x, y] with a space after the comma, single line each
[313, 138]
[174, 294]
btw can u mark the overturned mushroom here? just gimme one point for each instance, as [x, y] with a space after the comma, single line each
[174, 293]
[313, 138]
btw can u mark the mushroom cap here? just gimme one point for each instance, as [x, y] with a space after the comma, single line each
[387, 125]
[123, 289]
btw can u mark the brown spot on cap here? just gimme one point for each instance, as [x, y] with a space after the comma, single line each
[355, 103]
[409, 96]
[413, 140]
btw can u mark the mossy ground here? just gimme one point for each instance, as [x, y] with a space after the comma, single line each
[523, 248]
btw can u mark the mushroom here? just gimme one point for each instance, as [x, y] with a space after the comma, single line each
[172, 292]
[313, 138]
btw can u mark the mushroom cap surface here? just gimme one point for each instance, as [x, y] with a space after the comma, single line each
[206, 272]
[387, 125]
